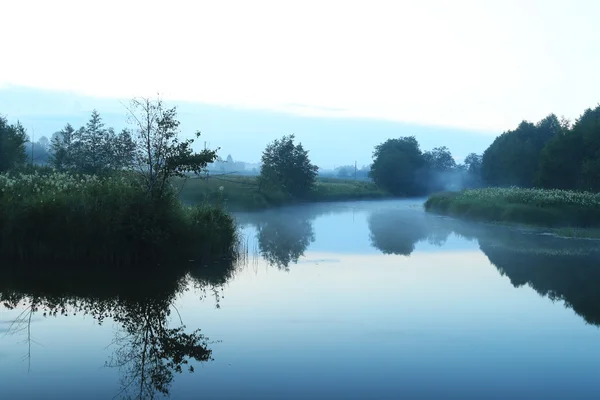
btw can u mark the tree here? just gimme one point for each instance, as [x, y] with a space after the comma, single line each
[159, 155]
[122, 149]
[37, 152]
[513, 157]
[12, 145]
[61, 152]
[570, 160]
[93, 146]
[287, 167]
[440, 159]
[473, 164]
[397, 164]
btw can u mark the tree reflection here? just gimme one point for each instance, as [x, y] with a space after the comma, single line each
[284, 235]
[397, 231]
[148, 353]
[151, 345]
[560, 269]
[283, 241]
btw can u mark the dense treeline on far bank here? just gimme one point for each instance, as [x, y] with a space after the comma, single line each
[549, 173]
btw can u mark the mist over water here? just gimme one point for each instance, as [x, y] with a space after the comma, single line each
[343, 300]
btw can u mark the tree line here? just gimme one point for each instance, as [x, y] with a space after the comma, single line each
[552, 153]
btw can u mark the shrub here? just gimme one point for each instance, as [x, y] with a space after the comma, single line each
[60, 217]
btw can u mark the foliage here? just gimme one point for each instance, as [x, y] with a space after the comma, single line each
[159, 154]
[513, 158]
[571, 158]
[531, 206]
[92, 149]
[396, 166]
[64, 217]
[286, 167]
[12, 145]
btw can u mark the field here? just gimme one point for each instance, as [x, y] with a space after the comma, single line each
[540, 207]
[241, 192]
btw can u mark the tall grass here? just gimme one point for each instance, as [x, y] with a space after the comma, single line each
[551, 208]
[60, 217]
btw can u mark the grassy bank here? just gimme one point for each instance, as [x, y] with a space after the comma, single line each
[242, 192]
[539, 207]
[65, 218]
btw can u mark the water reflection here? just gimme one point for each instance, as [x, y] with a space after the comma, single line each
[283, 235]
[150, 345]
[561, 269]
[397, 232]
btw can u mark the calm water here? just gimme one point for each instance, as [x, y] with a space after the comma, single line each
[372, 300]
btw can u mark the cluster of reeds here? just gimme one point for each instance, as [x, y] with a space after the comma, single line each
[62, 217]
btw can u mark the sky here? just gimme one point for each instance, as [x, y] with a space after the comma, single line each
[476, 66]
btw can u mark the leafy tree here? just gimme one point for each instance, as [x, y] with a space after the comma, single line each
[37, 152]
[470, 171]
[61, 151]
[397, 164]
[473, 164]
[513, 158]
[286, 166]
[122, 150]
[571, 159]
[440, 159]
[159, 154]
[12, 145]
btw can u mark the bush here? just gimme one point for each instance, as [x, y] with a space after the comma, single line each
[60, 217]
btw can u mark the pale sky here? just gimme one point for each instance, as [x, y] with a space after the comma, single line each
[482, 65]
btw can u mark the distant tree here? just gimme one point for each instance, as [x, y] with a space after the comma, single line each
[514, 156]
[571, 159]
[12, 145]
[397, 164]
[440, 159]
[470, 171]
[122, 150]
[159, 154]
[93, 146]
[287, 167]
[229, 158]
[473, 164]
[37, 152]
[44, 143]
[345, 172]
[61, 151]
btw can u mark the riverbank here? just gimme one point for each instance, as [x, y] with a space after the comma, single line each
[61, 218]
[565, 211]
[241, 193]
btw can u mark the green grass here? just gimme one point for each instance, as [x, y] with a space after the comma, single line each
[64, 218]
[241, 192]
[537, 207]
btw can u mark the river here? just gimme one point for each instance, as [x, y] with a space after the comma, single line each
[360, 300]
